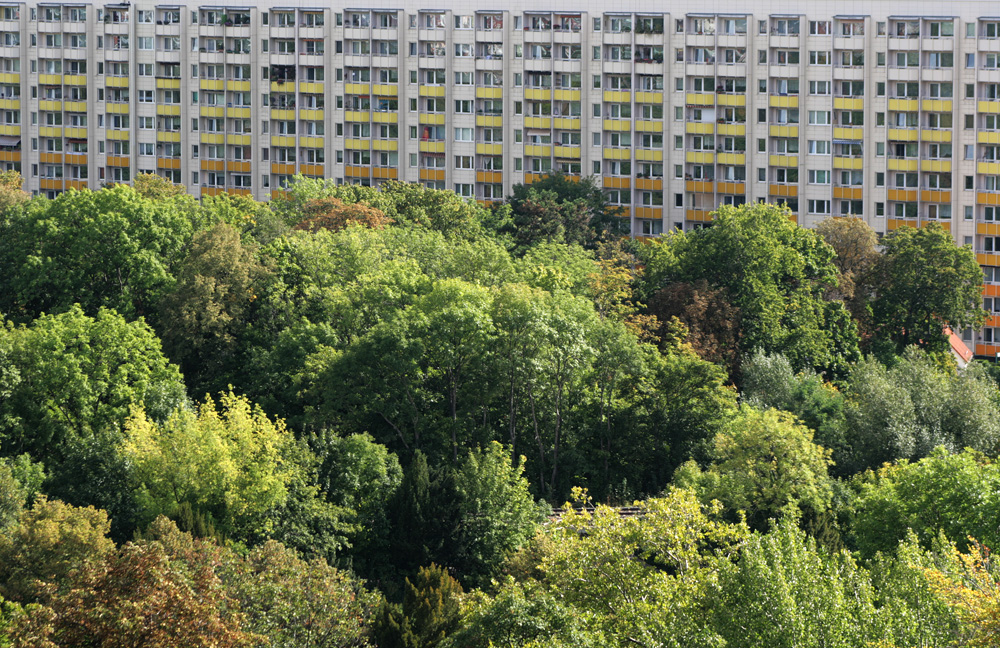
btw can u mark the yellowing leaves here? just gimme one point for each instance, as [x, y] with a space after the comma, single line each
[227, 462]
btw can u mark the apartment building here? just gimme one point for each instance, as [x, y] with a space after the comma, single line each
[885, 110]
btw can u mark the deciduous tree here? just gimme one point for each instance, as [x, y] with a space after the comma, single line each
[79, 375]
[923, 283]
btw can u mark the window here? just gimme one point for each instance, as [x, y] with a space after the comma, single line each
[819, 117]
[907, 59]
[819, 58]
[785, 146]
[819, 206]
[819, 147]
[819, 176]
[819, 87]
[820, 28]
[940, 59]
[852, 58]
[785, 27]
[942, 29]
[786, 176]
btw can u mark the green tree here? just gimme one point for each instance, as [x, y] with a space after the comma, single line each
[94, 472]
[428, 614]
[784, 591]
[769, 382]
[774, 272]
[923, 283]
[112, 248]
[496, 513]
[518, 617]
[360, 477]
[79, 375]
[905, 410]
[916, 614]
[558, 205]
[762, 463]
[642, 580]
[234, 463]
[50, 541]
[156, 187]
[958, 494]
[204, 316]
[539, 216]
[300, 604]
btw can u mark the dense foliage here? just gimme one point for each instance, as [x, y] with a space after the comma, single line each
[352, 417]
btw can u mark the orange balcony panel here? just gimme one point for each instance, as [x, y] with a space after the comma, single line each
[118, 161]
[432, 174]
[732, 188]
[649, 212]
[649, 184]
[213, 165]
[617, 183]
[699, 186]
[988, 198]
[988, 350]
[698, 215]
[240, 192]
[75, 159]
[848, 193]
[49, 183]
[490, 177]
[991, 290]
[902, 195]
[789, 191]
[988, 259]
[282, 169]
[990, 229]
[385, 173]
[307, 169]
[935, 196]
[76, 184]
[896, 223]
[621, 211]
[168, 163]
[532, 177]
[241, 167]
[211, 191]
[358, 172]
[51, 158]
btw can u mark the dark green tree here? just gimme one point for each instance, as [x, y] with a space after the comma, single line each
[774, 272]
[563, 209]
[428, 614]
[202, 319]
[923, 283]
